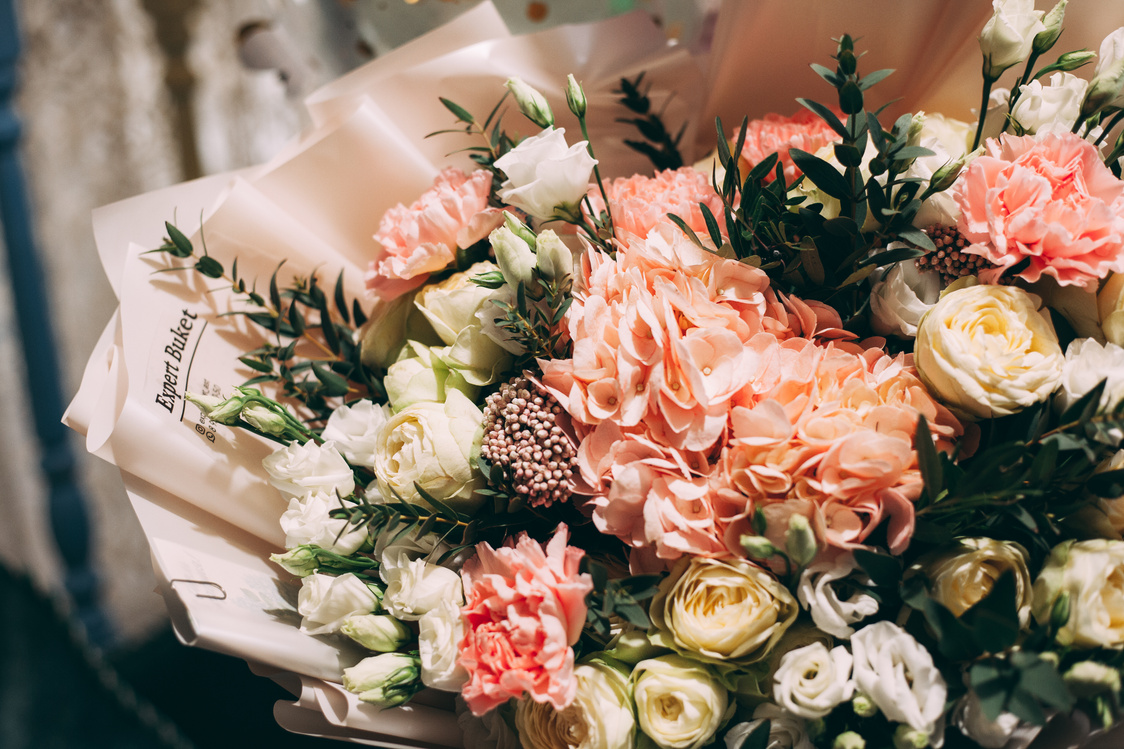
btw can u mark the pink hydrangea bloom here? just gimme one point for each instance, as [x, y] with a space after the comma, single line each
[524, 608]
[423, 238]
[640, 203]
[1048, 199]
[777, 133]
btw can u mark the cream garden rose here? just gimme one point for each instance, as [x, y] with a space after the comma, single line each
[1091, 574]
[600, 717]
[431, 444]
[679, 703]
[721, 610]
[963, 575]
[986, 351]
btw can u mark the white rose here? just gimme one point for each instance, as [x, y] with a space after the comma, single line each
[454, 307]
[1110, 53]
[297, 470]
[965, 574]
[986, 351]
[414, 587]
[432, 444]
[817, 594]
[812, 680]
[440, 631]
[898, 675]
[721, 610]
[354, 430]
[306, 521]
[1050, 108]
[600, 717]
[901, 298]
[489, 731]
[679, 702]
[1007, 37]
[786, 731]
[544, 174]
[1005, 732]
[1086, 364]
[325, 601]
[1092, 574]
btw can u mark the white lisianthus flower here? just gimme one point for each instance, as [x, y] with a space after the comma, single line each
[948, 139]
[440, 631]
[1086, 364]
[600, 717]
[812, 680]
[1005, 732]
[388, 548]
[965, 574]
[307, 521]
[817, 595]
[1050, 108]
[679, 703]
[1008, 35]
[901, 298]
[431, 444]
[898, 675]
[451, 306]
[986, 351]
[354, 430]
[297, 470]
[544, 174]
[325, 601]
[1091, 573]
[415, 587]
[1109, 56]
[786, 731]
[721, 610]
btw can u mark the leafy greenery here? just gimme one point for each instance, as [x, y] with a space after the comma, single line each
[537, 324]
[617, 597]
[661, 148]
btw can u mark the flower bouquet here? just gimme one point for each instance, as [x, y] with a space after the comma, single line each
[814, 443]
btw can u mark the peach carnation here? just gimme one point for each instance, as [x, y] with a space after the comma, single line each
[1050, 200]
[777, 133]
[525, 607]
[423, 238]
[640, 203]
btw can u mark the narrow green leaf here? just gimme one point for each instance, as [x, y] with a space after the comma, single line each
[445, 510]
[333, 383]
[296, 320]
[826, 115]
[822, 174]
[458, 111]
[686, 229]
[209, 267]
[181, 245]
[870, 79]
[341, 299]
[917, 237]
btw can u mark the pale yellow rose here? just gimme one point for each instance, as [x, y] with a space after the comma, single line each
[965, 574]
[679, 702]
[986, 351]
[1091, 573]
[600, 717]
[723, 611]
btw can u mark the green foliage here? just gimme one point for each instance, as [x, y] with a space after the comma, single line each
[661, 148]
[619, 597]
[536, 324]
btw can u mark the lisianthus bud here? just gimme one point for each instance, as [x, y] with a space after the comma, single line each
[384, 680]
[800, 541]
[300, 561]
[1044, 40]
[849, 740]
[910, 738]
[946, 175]
[555, 260]
[514, 256]
[575, 97]
[758, 547]
[863, 706]
[1074, 60]
[378, 632]
[217, 410]
[263, 419]
[1104, 89]
[1087, 679]
[531, 103]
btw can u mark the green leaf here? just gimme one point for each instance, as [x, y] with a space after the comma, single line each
[850, 98]
[826, 115]
[827, 74]
[1085, 407]
[822, 174]
[274, 294]
[458, 111]
[762, 168]
[209, 267]
[333, 383]
[757, 738]
[686, 229]
[994, 621]
[877, 76]
[893, 256]
[438, 505]
[928, 460]
[181, 245]
[723, 147]
[256, 365]
[296, 320]
[341, 300]
[883, 570]
[917, 237]
[911, 152]
[711, 225]
[848, 155]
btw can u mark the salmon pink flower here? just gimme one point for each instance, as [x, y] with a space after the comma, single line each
[423, 238]
[525, 607]
[640, 203]
[1049, 200]
[777, 133]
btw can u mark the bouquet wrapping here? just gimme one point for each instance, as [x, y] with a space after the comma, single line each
[813, 443]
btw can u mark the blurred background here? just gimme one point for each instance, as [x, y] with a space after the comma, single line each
[100, 101]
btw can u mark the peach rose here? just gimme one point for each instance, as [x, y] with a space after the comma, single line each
[423, 238]
[1050, 200]
[525, 607]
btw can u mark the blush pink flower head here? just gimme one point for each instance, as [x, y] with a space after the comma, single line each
[525, 607]
[1049, 200]
[423, 238]
[641, 203]
[777, 133]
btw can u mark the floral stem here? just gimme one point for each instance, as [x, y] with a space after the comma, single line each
[988, 82]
